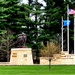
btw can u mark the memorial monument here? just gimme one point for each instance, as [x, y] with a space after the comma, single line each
[21, 40]
[21, 55]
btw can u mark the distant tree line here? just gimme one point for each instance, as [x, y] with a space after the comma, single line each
[15, 18]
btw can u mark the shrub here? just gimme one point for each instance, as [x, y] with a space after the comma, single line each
[50, 49]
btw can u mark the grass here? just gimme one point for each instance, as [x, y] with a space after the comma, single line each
[37, 70]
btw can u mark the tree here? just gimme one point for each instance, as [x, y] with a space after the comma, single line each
[36, 12]
[6, 42]
[3, 21]
[3, 15]
[50, 21]
[18, 17]
[13, 16]
[49, 51]
[30, 2]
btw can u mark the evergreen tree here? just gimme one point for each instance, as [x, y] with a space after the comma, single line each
[34, 28]
[14, 16]
[3, 15]
[51, 24]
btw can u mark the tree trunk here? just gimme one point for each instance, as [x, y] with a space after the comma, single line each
[49, 63]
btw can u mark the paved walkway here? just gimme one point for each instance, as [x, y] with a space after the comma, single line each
[4, 63]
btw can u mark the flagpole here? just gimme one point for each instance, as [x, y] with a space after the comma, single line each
[74, 33]
[67, 29]
[62, 33]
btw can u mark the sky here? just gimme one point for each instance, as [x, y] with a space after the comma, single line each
[41, 1]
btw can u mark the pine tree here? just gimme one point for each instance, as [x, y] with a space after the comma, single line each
[3, 15]
[51, 24]
[13, 17]
[33, 30]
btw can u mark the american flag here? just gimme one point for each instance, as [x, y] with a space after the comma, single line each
[71, 11]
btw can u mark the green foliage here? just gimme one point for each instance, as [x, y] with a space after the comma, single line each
[17, 17]
[50, 21]
[6, 41]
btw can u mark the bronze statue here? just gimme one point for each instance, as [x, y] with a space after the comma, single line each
[21, 40]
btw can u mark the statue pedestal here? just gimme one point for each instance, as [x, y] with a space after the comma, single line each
[21, 56]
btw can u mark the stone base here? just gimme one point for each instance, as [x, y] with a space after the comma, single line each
[21, 56]
[64, 60]
[59, 59]
[44, 61]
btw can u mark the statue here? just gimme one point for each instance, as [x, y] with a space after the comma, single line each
[21, 40]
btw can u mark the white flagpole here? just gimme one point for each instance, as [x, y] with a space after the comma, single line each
[74, 33]
[67, 29]
[62, 33]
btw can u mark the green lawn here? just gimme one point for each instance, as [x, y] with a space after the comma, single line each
[37, 70]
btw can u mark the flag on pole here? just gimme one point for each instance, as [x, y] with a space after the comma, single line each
[66, 22]
[71, 11]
